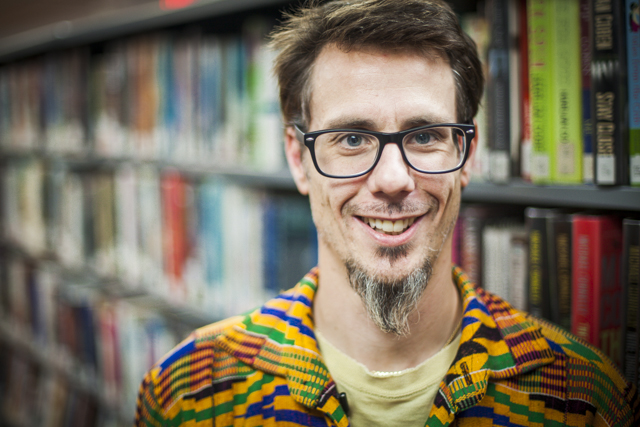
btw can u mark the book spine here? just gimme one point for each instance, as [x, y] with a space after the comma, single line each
[632, 20]
[477, 28]
[538, 265]
[525, 108]
[585, 267]
[566, 157]
[631, 278]
[608, 80]
[587, 120]
[175, 232]
[472, 247]
[515, 85]
[561, 243]
[597, 294]
[610, 299]
[518, 271]
[498, 85]
[540, 66]
[491, 258]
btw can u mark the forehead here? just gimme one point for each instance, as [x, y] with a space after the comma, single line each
[385, 88]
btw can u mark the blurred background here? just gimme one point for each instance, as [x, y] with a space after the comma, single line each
[144, 190]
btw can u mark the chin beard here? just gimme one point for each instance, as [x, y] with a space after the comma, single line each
[389, 303]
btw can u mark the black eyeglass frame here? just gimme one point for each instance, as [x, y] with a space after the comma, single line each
[309, 139]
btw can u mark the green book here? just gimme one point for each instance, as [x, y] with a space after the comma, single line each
[540, 66]
[566, 157]
[556, 92]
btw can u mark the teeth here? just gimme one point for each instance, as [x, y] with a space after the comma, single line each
[389, 227]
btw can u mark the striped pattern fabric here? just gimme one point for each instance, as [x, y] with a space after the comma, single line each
[265, 369]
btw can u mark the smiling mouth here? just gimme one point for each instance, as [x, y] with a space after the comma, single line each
[389, 227]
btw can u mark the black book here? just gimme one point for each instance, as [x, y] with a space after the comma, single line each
[631, 280]
[559, 236]
[539, 284]
[609, 93]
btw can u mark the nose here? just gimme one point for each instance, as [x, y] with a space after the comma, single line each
[391, 176]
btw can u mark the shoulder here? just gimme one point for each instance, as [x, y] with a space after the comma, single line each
[186, 373]
[555, 373]
[215, 358]
[582, 379]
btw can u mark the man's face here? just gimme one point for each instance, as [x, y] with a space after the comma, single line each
[386, 92]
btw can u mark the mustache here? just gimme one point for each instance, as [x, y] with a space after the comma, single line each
[389, 208]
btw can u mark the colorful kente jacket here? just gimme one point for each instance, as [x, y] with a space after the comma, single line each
[264, 369]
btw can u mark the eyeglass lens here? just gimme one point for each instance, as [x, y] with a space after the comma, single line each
[434, 149]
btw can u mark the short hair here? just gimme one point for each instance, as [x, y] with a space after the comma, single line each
[428, 27]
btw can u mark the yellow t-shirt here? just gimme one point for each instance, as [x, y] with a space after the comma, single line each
[385, 399]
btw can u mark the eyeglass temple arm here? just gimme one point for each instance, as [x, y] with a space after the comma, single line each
[299, 133]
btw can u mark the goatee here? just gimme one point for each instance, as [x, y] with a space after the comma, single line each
[390, 303]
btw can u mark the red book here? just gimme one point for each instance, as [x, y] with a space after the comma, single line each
[175, 244]
[597, 292]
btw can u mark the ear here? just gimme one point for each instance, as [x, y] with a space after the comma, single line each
[293, 150]
[465, 175]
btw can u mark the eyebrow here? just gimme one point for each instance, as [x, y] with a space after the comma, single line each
[358, 123]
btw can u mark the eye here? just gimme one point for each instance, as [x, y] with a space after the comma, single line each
[423, 138]
[353, 140]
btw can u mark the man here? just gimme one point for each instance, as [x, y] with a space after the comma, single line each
[379, 99]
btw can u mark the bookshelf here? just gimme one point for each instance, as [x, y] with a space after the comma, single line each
[155, 297]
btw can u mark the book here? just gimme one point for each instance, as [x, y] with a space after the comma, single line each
[597, 293]
[540, 73]
[126, 219]
[175, 237]
[477, 27]
[498, 91]
[502, 272]
[631, 280]
[65, 100]
[559, 226]
[539, 284]
[514, 9]
[566, 156]
[525, 105]
[585, 62]
[555, 91]
[109, 121]
[518, 258]
[103, 220]
[473, 219]
[632, 23]
[609, 94]
[290, 242]
[150, 230]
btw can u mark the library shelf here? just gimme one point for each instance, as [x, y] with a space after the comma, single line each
[515, 192]
[187, 317]
[110, 24]
[520, 192]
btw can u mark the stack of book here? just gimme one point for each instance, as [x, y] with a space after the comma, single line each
[199, 99]
[563, 91]
[578, 270]
[202, 242]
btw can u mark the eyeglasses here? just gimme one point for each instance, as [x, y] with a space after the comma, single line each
[348, 153]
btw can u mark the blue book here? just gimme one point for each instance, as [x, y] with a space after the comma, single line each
[211, 232]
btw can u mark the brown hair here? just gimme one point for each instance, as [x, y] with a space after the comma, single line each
[429, 27]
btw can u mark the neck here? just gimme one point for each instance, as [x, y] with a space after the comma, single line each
[342, 319]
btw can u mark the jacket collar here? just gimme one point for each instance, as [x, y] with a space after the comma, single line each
[497, 342]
